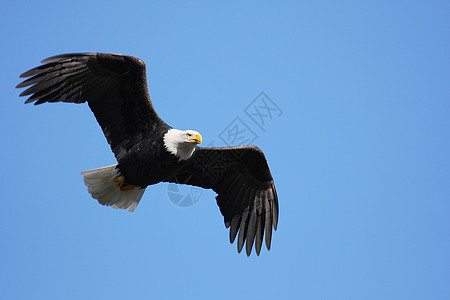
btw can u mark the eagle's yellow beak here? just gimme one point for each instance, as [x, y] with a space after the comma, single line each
[197, 139]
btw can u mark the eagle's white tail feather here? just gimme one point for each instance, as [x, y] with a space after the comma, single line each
[101, 186]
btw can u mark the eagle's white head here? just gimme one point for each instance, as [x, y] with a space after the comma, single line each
[182, 143]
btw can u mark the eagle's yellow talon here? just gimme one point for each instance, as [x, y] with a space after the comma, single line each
[119, 181]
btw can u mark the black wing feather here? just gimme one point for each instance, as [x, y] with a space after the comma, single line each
[246, 193]
[268, 220]
[236, 218]
[115, 87]
[251, 231]
[259, 232]
[243, 228]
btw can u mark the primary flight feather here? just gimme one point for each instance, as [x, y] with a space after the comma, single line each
[149, 151]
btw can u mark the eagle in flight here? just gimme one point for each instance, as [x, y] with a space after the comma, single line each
[149, 151]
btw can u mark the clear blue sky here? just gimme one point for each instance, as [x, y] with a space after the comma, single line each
[360, 154]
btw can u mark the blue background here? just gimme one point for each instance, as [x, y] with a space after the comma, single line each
[360, 155]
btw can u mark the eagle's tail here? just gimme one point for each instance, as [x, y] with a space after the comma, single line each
[102, 186]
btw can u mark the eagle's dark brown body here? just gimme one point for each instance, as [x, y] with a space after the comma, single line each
[148, 163]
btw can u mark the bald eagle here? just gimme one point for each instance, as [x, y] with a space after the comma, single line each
[149, 151]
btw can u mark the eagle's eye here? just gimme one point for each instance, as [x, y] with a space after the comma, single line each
[188, 134]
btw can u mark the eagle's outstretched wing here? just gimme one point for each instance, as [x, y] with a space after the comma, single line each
[246, 193]
[115, 87]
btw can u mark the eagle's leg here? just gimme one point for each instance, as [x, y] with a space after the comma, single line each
[120, 182]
